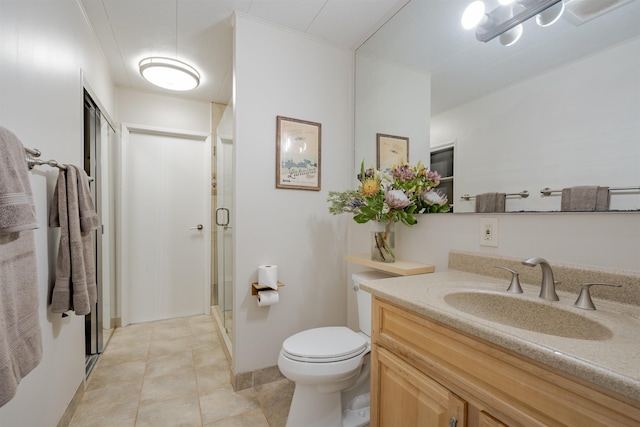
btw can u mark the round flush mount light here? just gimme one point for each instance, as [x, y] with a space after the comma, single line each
[169, 73]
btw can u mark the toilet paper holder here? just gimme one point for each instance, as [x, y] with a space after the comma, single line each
[255, 288]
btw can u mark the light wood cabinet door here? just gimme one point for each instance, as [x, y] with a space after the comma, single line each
[408, 398]
[486, 420]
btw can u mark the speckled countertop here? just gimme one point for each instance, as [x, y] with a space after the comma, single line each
[610, 362]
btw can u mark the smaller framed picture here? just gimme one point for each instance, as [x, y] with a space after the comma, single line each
[391, 150]
[298, 154]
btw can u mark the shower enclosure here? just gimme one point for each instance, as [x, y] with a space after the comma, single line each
[224, 233]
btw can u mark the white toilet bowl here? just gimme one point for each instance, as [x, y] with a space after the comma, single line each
[330, 367]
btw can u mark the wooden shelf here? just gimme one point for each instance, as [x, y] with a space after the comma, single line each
[401, 268]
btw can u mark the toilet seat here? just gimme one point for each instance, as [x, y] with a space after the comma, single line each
[322, 345]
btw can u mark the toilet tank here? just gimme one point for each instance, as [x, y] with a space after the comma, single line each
[363, 298]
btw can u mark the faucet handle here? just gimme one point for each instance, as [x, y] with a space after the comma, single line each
[584, 299]
[514, 286]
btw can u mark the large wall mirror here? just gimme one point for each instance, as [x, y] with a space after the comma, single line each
[558, 109]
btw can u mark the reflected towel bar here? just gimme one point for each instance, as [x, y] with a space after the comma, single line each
[524, 194]
[547, 191]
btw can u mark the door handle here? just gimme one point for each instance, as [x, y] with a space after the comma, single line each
[197, 227]
[226, 223]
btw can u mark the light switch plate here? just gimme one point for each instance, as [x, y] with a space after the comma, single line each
[489, 232]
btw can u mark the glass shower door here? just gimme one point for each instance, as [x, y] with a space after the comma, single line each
[225, 234]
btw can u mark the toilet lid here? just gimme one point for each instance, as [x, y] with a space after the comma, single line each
[328, 344]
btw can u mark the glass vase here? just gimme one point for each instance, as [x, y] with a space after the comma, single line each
[383, 242]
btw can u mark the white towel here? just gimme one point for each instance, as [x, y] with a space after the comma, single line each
[20, 337]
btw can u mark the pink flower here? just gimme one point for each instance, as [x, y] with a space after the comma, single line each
[396, 199]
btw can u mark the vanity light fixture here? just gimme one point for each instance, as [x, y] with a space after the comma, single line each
[505, 21]
[169, 73]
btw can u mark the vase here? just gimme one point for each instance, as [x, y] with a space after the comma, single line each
[383, 241]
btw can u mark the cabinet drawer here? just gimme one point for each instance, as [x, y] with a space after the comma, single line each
[515, 390]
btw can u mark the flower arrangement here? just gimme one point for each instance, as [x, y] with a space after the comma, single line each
[388, 198]
[408, 190]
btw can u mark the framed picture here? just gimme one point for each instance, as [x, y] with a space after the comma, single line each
[391, 150]
[298, 154]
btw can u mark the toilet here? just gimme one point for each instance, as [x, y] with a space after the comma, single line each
[330, 367]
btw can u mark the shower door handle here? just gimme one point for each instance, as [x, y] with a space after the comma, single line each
[226, 221]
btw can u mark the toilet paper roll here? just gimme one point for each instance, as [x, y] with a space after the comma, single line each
[268, 276]
[266, 298]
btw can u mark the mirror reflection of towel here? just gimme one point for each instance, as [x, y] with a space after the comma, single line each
[490, 202]
[585, 198]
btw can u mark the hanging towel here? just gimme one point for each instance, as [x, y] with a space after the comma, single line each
[73, 211]
[17, 211]
[586, 198]
[490, 202]
[20, 337]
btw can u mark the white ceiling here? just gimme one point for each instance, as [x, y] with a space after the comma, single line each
[199, 32]
[425, 35]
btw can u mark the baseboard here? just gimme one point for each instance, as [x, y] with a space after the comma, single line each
[245, 380]
[65, 420]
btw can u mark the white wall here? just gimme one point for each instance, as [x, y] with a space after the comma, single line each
[279, 72]
[576, 125]
[44, 46]
[162, 111]
[380, 88]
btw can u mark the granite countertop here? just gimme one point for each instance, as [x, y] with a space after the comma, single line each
[611, 362]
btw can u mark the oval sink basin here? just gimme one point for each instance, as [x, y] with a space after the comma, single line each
[528, 315]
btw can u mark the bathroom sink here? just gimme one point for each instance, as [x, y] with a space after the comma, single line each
[527, 314]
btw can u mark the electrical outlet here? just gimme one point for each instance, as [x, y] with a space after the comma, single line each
[489, 232]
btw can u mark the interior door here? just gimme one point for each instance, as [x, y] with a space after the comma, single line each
[167, 226]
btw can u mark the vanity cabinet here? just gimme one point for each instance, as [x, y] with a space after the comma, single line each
[410, 398]
[428, 374]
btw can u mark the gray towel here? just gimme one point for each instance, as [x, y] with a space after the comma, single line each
[20, 337]
[490, 202]
[75, 287]
[586, 198]
[17, 211]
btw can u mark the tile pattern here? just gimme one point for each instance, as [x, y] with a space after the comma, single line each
[174, 373]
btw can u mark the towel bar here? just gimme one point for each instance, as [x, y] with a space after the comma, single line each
[524, 194]
[32, 161]
[547, 191]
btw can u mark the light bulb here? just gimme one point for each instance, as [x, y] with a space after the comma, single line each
[510, 37]
[473, 14]
[550, 15]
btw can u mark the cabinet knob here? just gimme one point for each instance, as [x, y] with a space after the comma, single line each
[453, 421]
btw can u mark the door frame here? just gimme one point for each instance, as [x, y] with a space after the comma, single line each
[123, 225]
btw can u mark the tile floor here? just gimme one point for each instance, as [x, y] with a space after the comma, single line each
[173, 373]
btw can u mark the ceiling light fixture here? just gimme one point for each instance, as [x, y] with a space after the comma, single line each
[506, 20]
[169, 73]
[551, 15]
[511, 36]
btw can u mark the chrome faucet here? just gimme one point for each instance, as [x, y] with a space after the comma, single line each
[548, 288]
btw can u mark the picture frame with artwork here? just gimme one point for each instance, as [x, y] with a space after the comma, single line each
[298, 154]
[391, 150]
